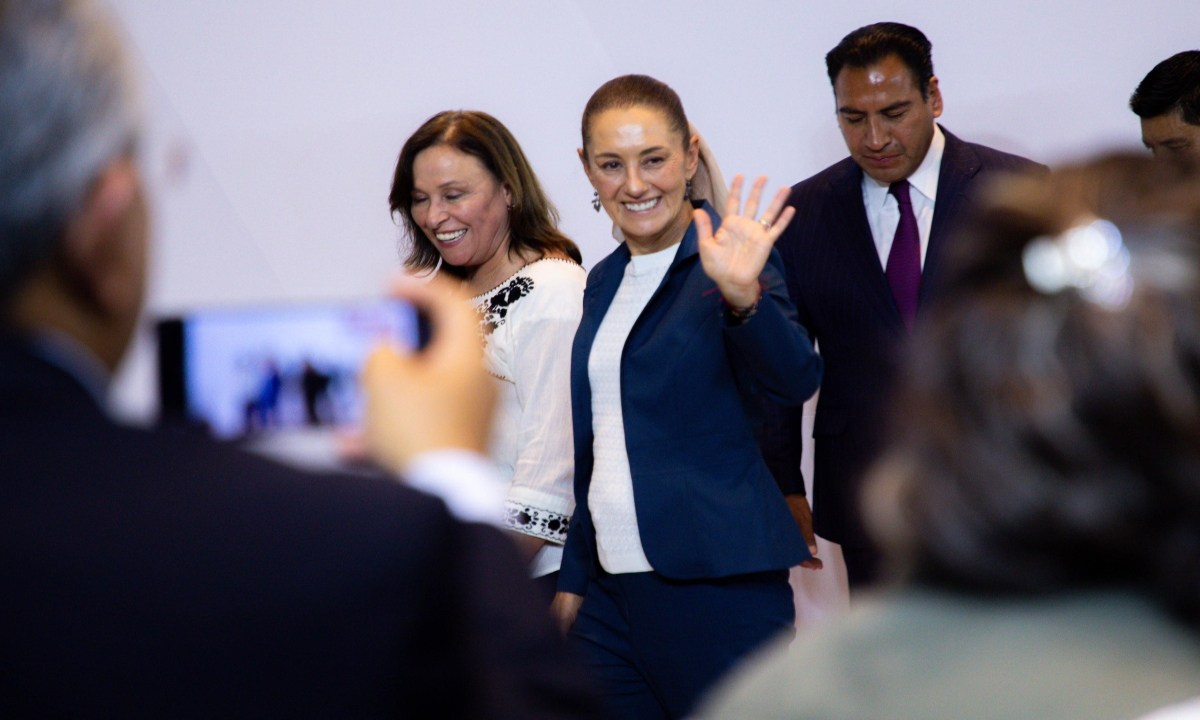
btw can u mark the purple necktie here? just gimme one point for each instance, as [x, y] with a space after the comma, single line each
[904, 260]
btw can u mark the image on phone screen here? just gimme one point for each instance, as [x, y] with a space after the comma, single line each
[242, 372]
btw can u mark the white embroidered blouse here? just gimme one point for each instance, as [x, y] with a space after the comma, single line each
[528, 323]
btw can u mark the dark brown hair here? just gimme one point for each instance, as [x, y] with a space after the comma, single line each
[533, 220]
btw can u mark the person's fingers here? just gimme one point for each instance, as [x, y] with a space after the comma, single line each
[703, 226]
[781, 223]
[735, 196]
[771, 213]
[380, 364]
[755, 194]
[454, 324]
[381, 373]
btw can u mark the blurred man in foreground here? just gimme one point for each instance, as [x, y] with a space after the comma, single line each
[149, 574]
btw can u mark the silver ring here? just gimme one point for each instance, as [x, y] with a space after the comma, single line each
[766, 225]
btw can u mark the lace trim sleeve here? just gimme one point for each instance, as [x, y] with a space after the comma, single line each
[545, 524]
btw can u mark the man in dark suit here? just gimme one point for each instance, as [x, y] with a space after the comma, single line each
[860, 256]
[159, 574]
[1168, 102]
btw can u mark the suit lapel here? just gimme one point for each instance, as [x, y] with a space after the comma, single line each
[602, 284]
[960, 164]
[859, 244]
[599, 293]
[671, 290]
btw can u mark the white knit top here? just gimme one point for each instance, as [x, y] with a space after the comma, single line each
[528, 323]
[610, 495]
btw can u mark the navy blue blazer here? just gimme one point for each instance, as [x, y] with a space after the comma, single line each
[841, 294]
[692, 390]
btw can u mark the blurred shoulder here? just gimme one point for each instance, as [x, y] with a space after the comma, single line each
[219, 472]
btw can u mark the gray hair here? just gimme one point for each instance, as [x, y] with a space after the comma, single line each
[68, 107]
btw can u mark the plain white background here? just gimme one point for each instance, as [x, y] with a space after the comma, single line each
[274, 126]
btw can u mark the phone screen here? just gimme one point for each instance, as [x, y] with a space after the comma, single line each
[242, 372]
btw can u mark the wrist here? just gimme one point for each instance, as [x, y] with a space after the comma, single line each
[741, 296]
[741, 306]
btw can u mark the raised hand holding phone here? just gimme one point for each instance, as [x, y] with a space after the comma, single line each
[438, 398]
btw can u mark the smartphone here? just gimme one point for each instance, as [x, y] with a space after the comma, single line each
[247, 371]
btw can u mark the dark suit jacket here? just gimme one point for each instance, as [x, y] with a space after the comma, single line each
[692, 390]
[842, 296]
[156, 574]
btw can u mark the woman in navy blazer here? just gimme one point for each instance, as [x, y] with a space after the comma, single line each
[677, 560]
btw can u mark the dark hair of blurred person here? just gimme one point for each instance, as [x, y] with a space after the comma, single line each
[532, 219]
[1039, 501]
[1168, 102]
[1051, 438]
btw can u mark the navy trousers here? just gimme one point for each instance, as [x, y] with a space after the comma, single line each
[657, 645]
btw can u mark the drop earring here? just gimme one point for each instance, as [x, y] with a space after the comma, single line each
[596, 200]
[687, 191]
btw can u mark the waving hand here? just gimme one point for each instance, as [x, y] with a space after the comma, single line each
[734, 257]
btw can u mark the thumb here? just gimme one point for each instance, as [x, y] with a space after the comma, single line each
[703, 225]
[383, 363]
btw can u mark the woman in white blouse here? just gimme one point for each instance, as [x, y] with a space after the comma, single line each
[474, 209]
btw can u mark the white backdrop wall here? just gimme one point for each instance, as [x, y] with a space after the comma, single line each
[274, 126]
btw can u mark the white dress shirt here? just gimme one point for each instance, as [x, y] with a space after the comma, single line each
[883, 210]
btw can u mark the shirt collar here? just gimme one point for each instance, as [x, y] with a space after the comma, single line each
[924, 179]
[657, 260]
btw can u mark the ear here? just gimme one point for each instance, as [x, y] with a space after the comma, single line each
[104, 247]
[508, 197]
[935, 97]
[693, 155]
[583, 161]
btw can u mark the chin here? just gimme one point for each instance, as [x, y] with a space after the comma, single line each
[641, 231]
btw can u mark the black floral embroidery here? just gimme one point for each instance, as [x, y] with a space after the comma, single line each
[547, 525]
[494, 313]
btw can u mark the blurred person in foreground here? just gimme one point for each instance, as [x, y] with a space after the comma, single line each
[473, 209]
[1168, 102]
[158, 574]
[1040, 499]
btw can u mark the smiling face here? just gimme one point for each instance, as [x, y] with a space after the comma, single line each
[640, 167]
[461, 207]
[885, 122]
[1170, 138]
